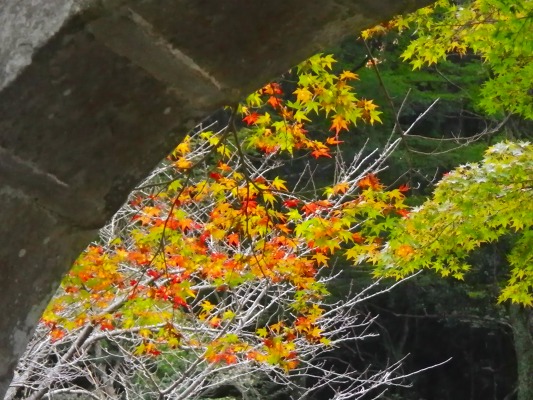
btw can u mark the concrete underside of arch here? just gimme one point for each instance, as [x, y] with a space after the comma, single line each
[93, 94]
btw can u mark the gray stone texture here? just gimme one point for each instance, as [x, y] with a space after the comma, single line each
[93, 94]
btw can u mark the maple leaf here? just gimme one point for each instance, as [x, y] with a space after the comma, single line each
[251, 118]
[404, 188]
[346, 75]
[215, 322]
[153, 274]
[289, 365]
[321, 153]
[248, 205]
[274, 101]
[403, 213]
[224, 167]
[57, 334]
[338, 124]
[268, 197]
[353, 253]
[370, 181]
[279, 184]
[272, 88]
[233, 239]
[184, 147]
[333, 140]
[215, 175]
[341, 187]
[310, 208]
[321, 259]
[186, 224]
[262, 332]
[357, 238]
[404, 251]
[291, 203]
[106, 325]
[152, 350]
[303, 95]
[207, 306]
[276, 328]
[179, 302]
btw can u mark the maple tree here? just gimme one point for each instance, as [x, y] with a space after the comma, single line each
[478, 205]
[217, 268]
[472, 205]
[475, 205]
[498, 31]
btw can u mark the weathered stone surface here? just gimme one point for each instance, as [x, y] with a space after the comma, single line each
[95, 93]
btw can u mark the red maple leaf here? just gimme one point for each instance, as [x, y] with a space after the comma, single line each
[403, 213]
[404, 188]
[178, 301]
[106, 325]
[291, 203]
[248, 205]
[251, 118]
[215, 175]
[153, 274]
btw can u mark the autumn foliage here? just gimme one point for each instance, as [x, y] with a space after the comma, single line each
[216, 219]
[220, 261]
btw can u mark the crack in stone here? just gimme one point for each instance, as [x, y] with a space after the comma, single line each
[128, 34]
[184, 58]
[21, 171]
[25, 180]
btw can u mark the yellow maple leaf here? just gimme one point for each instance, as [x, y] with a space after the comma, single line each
[303, 95]
[183, 163]
[320, 259]
[348, 75]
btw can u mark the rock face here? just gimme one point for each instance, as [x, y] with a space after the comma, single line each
[94, 93]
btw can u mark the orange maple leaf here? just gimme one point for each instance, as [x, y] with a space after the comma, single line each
[341, 187]
[357, 238]
[233, 239]
[56, 334]
[310, 208]
[274, 101]
[224, 167]
[338, 124]
[404, 251]
[321, 153]
[272, 88]
[403, 213]
[370, 181]
[333, 140]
